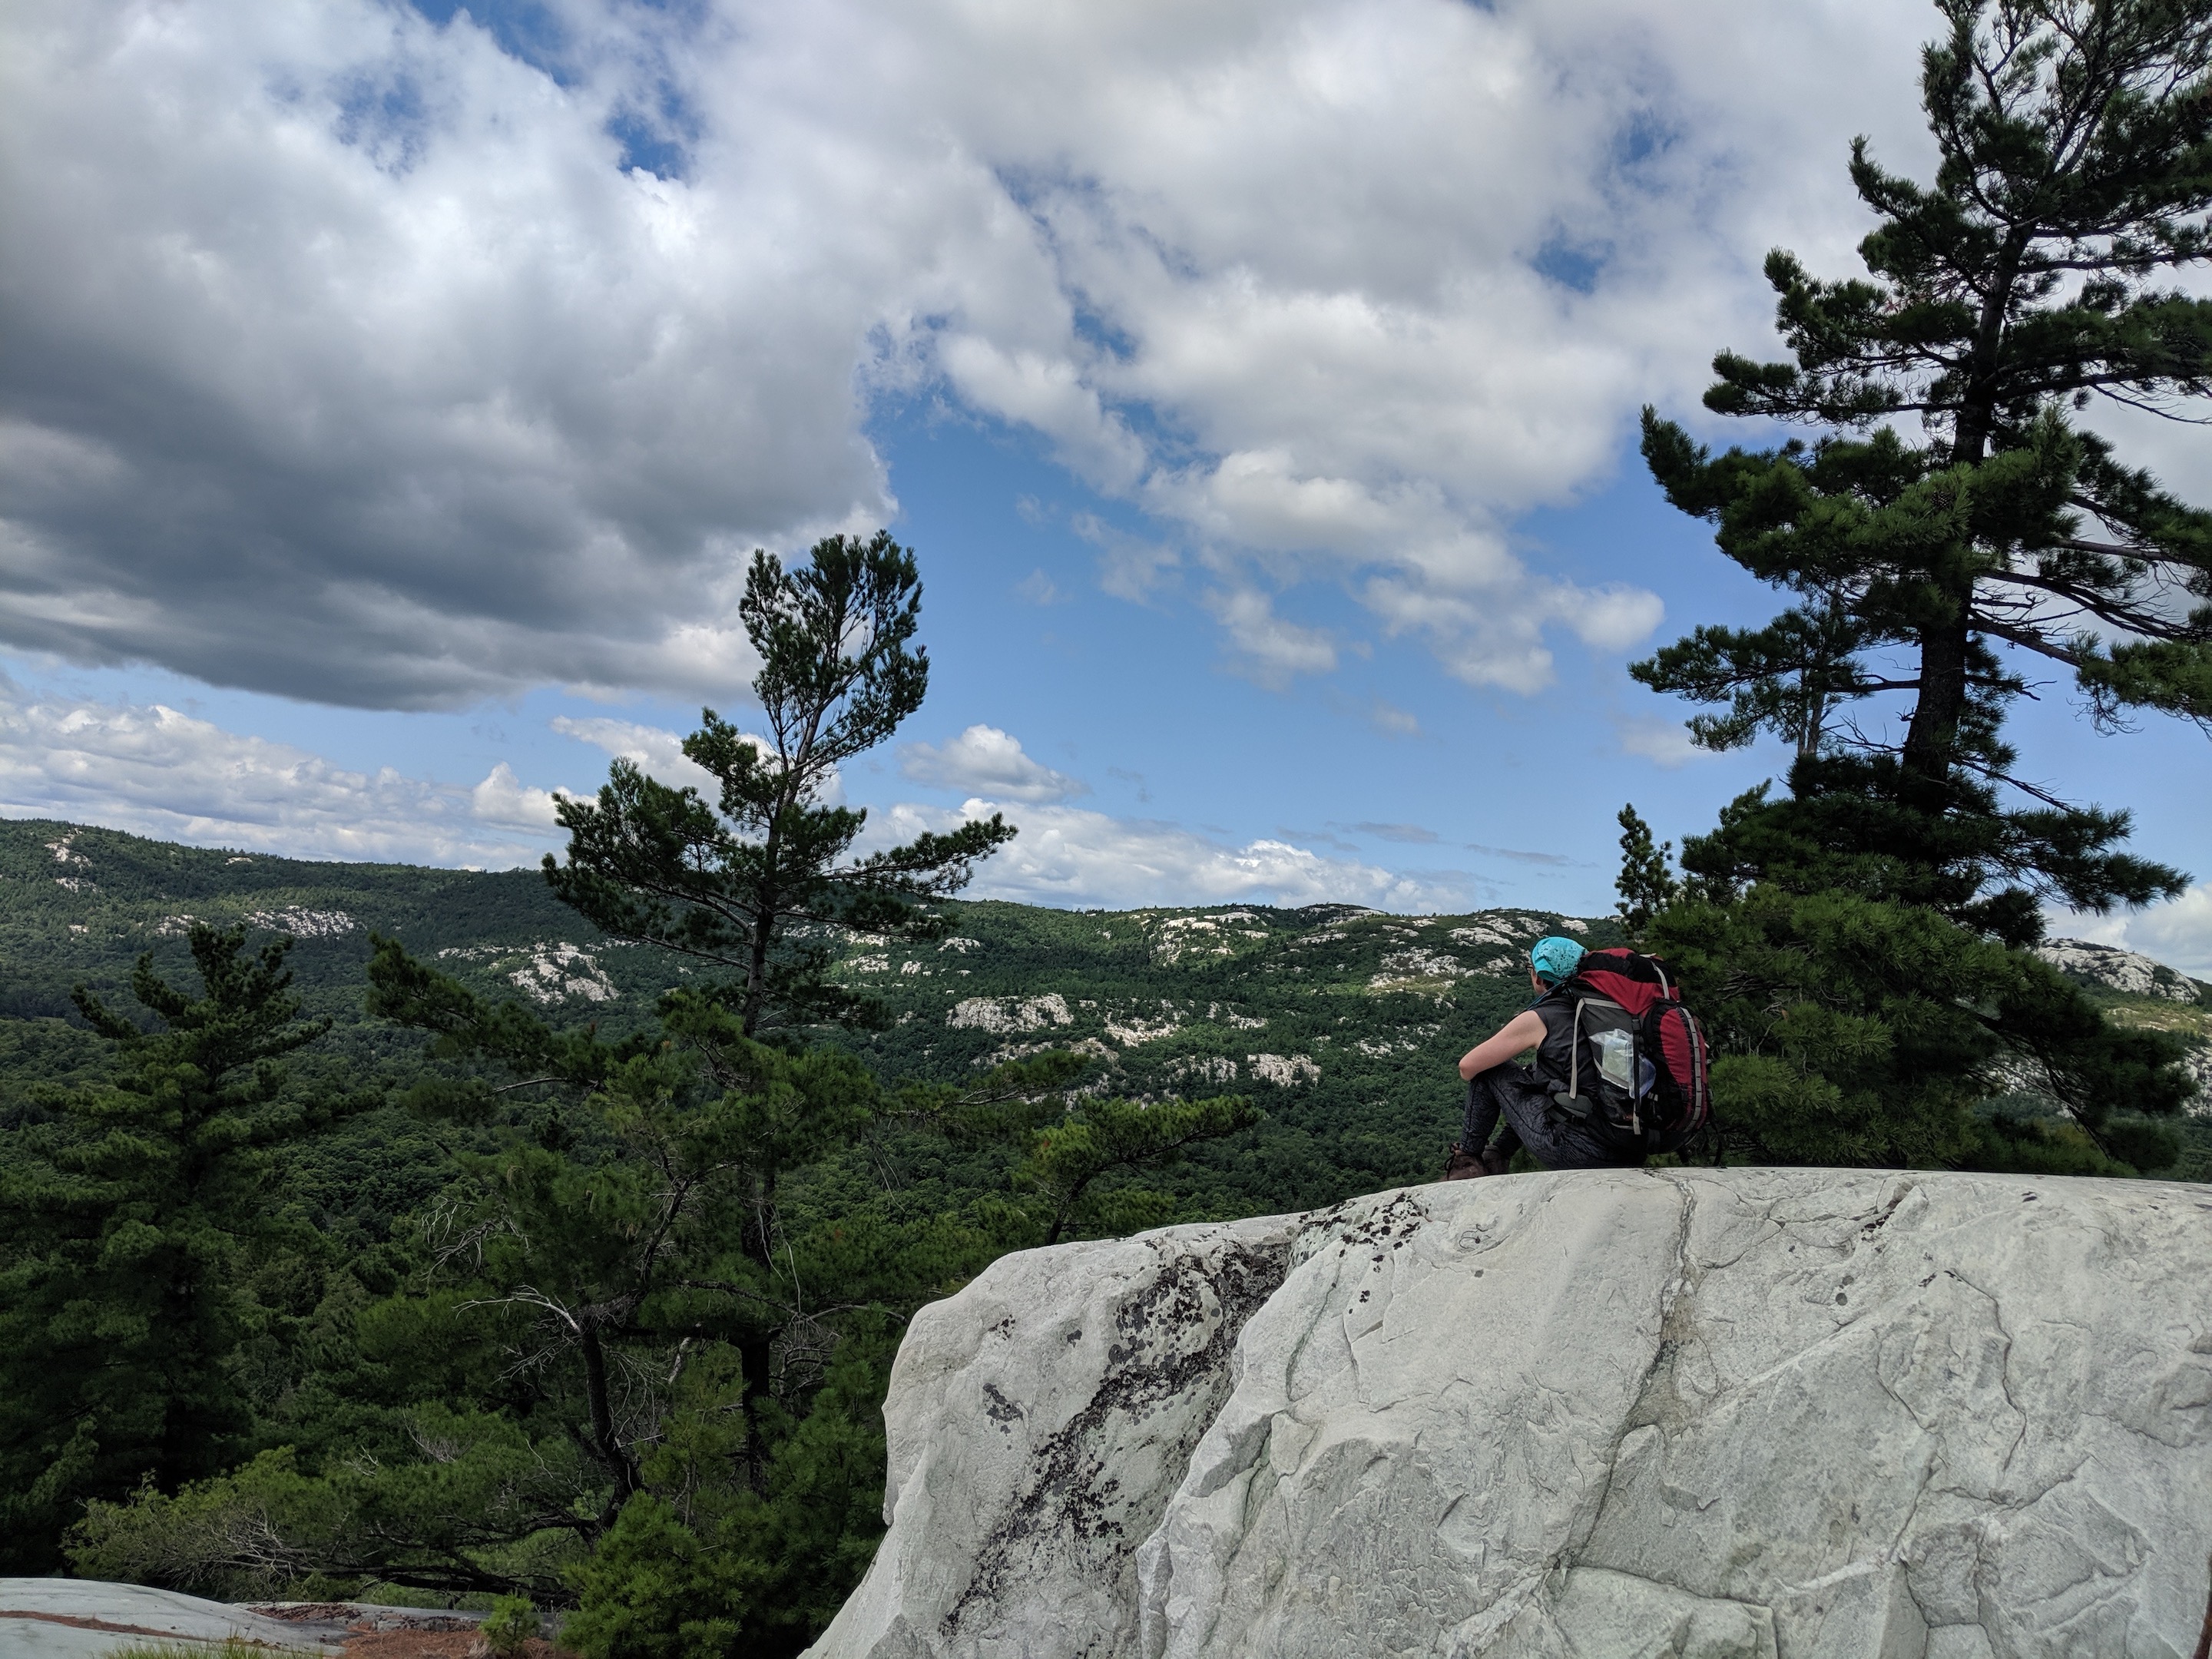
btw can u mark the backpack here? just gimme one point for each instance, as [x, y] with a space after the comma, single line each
[1638, 1073]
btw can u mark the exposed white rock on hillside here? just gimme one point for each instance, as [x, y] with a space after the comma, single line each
[1788, 1413]
[303, 923]
[1012, 1013]
[2127, 971]
[1287, 1070]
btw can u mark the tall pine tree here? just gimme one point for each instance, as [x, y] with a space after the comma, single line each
[764, 880]
[1950, 522]
[126, 1229]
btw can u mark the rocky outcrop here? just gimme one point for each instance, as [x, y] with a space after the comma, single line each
[1789, 1413]
[1039, 1421]
[2128, 972]
[78, 1619]
[94, 1619]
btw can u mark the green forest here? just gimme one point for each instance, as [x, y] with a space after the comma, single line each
[382, 1420]
[389, 1232]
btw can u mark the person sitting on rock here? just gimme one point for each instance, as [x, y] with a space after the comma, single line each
[1522, 1095]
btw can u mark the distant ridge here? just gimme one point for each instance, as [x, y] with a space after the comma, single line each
[1343, 1023]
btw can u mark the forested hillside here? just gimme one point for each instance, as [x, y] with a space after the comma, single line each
[1343, 1023]
[475, 1289]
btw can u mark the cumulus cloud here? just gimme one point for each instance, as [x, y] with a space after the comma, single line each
[984, 760]
[160, 772]
[1129, 567]
[1067, 855]
[1039, 589]
[658, 753]
[654, 750]
[504, 798]
[354, 357]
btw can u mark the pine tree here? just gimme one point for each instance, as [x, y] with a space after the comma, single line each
[1645, 885]
[707, 1353]
[636, 1202]
[762, 879]
[1067, 1159]
[1951, 507]
[2076, 177]
[126, 1228]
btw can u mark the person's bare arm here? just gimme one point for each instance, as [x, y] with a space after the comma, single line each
[1524, 1030]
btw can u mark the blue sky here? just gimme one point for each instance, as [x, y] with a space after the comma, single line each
[1256, 385]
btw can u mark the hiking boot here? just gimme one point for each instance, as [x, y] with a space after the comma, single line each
[1495, 1160]
[1459, 1166]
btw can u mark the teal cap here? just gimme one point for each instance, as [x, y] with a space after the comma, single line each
[1555, 958]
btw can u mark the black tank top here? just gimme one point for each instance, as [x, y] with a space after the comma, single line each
[1555, 1054]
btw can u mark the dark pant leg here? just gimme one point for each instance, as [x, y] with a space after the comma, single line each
[1484, 1103]
[1554, 1140]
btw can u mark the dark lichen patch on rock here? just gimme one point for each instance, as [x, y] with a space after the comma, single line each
[1173, 1337]
[1376, 1230]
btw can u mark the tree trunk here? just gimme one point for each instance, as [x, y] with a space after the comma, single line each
[1065, 1212]
[617, 1461]
[766, 898]
[1931, 740]
[757, 969]
[755, 1351]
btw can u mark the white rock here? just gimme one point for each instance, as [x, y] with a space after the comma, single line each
[303, 923]
[81, 1619]
[1204, 1068]
[1135, 1032]
[1778, 1414]
[1039, 1421]
[1415, 966]
[2197, 1061]
[555, 972]
[2127, 971]
[1285, 1071]
[1010, 1013]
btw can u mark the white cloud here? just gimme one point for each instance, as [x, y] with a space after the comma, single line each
[655, 751]
[1479, 640]
[1068, 855]
[1129, 567]
[162, 773]
[504, 798]
[1664, 741]
[1267, 648]
[1391, 720]
[984, 760]
[1039, 589]
[158, 772]
[1609, 618]
[2177, 932]
[658, 753]
[390, 385]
